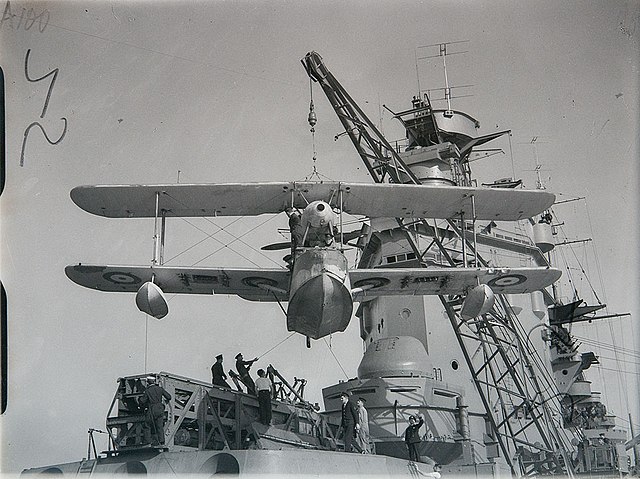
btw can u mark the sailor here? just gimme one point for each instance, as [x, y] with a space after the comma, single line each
[154, 415]
[243, 371]
[348, 422]
[362, 427]
[264, 388]
[295, 228]
[218, 377]
[412, 437]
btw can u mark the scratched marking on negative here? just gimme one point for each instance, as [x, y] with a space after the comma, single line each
[28, 15]
[54, 76]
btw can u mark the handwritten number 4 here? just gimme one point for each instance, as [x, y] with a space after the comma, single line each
[54, 75]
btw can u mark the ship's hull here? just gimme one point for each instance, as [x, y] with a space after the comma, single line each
[243, 463]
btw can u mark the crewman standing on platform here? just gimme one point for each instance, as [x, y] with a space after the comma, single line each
[243, 371]
[154, 414]
[412, 437]
[218, 377]
[295, 229]
[348, 422]
[264, 388]
[362, 428]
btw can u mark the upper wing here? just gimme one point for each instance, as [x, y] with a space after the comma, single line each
[373, 200]
[433, 281]
[128, 279]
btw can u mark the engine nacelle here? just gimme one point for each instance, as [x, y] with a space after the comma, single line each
[318, 222]
[318, 214]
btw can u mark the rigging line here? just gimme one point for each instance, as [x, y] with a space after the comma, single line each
[513, 166]
[637, 363]
[220, 249]
[582, 268]
[334, 357]
[620, 371]
[570, 276]
[597, 329]
[146, 341]
[238, 238]
[618, 363]
[177, 57]
[220, 228]
[602, 344]
[267, 352]
[543, 373]
[212, 236]
[607, 347]
[544, 384]
[315, 172]
[209, 235]
[566, 240]
[604, 292]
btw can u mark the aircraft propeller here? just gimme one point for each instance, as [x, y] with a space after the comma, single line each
[348, 236]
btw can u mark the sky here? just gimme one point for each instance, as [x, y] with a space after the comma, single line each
[206, 92]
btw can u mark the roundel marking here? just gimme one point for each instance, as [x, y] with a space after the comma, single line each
[118, 277]
[256, 281]
[375, 282]
[508, 280]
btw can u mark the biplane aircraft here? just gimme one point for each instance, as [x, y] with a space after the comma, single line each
[318, 284]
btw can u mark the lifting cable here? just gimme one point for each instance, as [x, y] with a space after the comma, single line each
[285, 314]
[334, 357]
[268, 351]
[292, 333]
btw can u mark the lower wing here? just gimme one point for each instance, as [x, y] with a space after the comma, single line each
[252, 284]
[369, 283]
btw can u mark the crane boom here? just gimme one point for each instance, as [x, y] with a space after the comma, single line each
[380, 158]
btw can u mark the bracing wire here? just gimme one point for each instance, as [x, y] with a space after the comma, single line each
[236, 238]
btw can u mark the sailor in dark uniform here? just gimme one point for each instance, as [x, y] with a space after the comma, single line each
[154, 415]
[412, 437]
[243, 371]
[218, 376]
[295, 228]
[348, 422]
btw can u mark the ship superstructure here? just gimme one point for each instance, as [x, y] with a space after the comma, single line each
[524, 427]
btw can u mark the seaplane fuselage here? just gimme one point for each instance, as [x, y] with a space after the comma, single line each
[320, 300]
